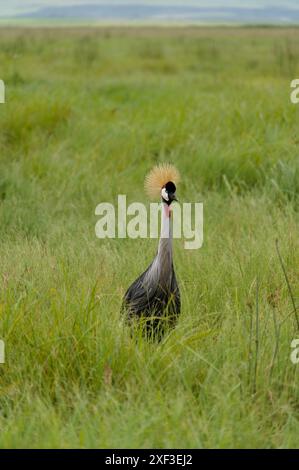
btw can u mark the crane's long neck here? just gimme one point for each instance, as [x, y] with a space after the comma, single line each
[165, 242]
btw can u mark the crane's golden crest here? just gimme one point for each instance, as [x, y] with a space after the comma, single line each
[158, 177]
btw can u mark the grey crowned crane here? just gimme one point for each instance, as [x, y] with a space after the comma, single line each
[154, 298]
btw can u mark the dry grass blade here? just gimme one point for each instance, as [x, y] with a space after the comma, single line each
[288, 284]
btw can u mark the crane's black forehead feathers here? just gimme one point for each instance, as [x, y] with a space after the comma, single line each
[170, 187]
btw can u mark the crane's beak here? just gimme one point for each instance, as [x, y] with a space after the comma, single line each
[172, 197]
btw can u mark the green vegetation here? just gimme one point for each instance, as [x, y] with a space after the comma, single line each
[88, 113]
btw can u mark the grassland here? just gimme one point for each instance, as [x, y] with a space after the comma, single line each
[88, 113]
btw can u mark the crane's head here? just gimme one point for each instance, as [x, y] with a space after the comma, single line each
[168, 193]
[161, 181]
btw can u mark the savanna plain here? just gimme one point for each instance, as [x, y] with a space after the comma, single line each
[88, 112]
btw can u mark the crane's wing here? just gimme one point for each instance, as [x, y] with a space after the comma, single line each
[146, 296]
[139, 295]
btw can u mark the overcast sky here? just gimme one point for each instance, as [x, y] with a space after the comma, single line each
[13, 7]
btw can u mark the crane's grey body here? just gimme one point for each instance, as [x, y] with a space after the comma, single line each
[155, 295]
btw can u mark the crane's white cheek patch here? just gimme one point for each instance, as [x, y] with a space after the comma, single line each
[164, 194]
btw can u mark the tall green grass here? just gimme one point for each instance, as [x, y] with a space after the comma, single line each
[88, 112]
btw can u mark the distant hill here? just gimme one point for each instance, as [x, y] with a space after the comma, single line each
[281, 15]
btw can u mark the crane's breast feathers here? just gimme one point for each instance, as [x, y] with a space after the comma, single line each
[149, 296]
